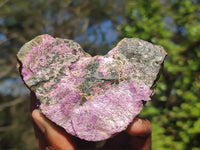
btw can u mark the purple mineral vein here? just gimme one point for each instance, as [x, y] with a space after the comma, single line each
[90, 97]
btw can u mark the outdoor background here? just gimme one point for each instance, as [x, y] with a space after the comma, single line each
[98, 25]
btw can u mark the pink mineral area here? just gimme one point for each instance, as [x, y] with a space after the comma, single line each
[108, 112]
[38, 61]
[26, 73]
[105, 64]
[92, 102]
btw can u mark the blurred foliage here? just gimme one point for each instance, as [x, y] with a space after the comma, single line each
[174, 24]
[175, 110]
[21, 21]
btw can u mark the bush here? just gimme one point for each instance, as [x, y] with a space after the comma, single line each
[175, 109]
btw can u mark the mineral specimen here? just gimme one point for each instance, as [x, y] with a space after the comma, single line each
[90, 97]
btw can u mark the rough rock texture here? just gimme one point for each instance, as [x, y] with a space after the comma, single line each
[90, 97]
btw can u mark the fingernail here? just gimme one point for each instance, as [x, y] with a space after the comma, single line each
[137, 122]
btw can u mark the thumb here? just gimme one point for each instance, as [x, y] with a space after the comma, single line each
[56, 137]
[140, 131]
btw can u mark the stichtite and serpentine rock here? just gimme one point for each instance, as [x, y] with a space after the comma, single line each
[90, 97]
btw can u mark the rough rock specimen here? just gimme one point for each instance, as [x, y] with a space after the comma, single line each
[90, 97]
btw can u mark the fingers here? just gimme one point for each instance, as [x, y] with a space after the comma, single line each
[55, 137]
[140, 131]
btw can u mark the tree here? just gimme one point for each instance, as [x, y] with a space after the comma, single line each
[21, 21]
[175, 110]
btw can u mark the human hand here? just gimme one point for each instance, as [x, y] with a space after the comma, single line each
[50, 136]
